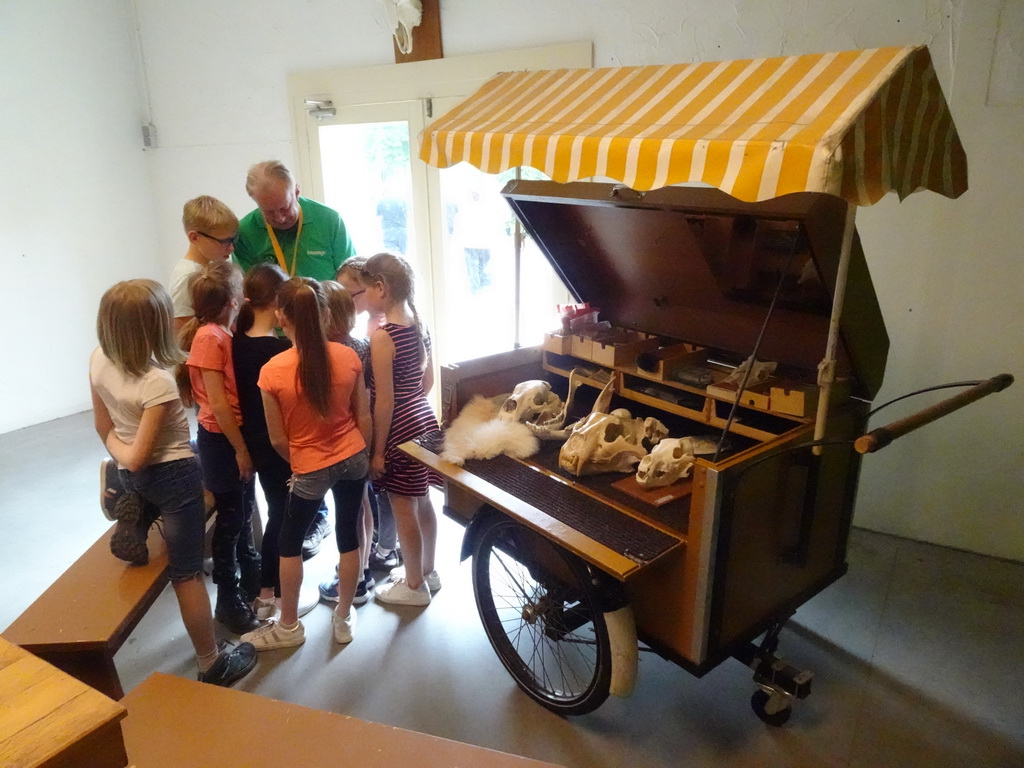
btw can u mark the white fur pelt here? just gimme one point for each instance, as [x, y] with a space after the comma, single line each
[477, 433]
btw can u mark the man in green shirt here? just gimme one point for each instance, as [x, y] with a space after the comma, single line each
[303, 237]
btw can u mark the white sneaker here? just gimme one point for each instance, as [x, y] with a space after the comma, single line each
[343, 626]
[433, 580]
[272, 636]
[309, 598]
[398, 592]
[264, 609]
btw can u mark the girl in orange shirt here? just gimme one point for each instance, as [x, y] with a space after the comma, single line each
[318, 417]
[208, 380]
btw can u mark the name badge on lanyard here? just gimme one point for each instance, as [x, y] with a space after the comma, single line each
[277, 246]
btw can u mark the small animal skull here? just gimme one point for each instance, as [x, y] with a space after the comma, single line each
[669, 461]
[530, 401]
[603, 442]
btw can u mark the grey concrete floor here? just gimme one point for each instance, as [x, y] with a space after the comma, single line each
[918, 652]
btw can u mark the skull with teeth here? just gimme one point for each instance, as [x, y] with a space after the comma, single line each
[607, 442]
[669, 461]
[530, 401]
[603, 442]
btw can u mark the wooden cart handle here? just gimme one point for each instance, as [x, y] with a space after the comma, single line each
[877, 439]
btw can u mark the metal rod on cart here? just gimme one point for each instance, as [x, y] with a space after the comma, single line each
[827, 367]
[517, 250]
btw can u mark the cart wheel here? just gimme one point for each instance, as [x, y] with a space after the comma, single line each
[543, 618]
[760, 704]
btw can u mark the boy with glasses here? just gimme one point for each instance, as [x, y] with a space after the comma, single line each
[211, 229]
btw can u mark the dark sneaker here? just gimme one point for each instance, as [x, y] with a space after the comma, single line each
[319, 528]
[329, 590]
[129, 539]
[110, 488]
[364, 589]
[234, 613]
[385, 559]
[231, 666]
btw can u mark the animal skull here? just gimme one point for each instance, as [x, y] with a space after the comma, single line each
[603, 442]
[552, 426]
[530, 401]
[669, 461]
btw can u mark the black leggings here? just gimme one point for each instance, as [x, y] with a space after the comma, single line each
[299, 513]
[273, 472]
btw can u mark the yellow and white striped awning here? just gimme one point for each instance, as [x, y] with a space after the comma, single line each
[854, 124]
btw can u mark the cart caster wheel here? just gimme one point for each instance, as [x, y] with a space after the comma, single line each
[768, 711]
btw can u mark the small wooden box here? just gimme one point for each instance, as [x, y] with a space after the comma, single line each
[664, 363]
[755, 396]
[581, 346]
[794, 399]
[560, 345]
[802, 399]
[621, 348]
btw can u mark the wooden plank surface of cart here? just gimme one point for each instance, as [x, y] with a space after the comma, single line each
[570, 573]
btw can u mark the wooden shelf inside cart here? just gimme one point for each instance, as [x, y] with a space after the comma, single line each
[601, 529]
[680, 399]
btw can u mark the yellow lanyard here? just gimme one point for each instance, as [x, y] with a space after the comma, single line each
[277, 246]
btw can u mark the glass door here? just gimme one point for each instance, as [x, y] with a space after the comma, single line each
[478, 292]
[499, 297]
[367, 174]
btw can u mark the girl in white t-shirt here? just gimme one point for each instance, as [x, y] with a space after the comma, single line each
[141, 420]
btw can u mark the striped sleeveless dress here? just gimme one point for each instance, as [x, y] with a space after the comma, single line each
[412, 415]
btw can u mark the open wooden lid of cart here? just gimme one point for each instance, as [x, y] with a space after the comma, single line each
[852, 125]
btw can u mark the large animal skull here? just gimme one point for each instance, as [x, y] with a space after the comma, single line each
[669, 461]
[603, 442]
[530, 401]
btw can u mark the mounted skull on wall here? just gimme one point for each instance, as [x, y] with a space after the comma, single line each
[530, 401]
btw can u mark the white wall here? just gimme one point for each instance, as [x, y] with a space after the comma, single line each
[76, 211]
[948, 273]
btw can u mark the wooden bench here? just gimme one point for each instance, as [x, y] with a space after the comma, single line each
[50, 719]
[85, 616]
[173, 722]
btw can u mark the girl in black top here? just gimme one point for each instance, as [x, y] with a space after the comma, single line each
[256, 341]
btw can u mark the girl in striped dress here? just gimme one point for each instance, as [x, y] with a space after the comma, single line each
[401, 375]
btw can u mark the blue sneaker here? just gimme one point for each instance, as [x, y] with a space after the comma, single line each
[329, 589]
[364, 588]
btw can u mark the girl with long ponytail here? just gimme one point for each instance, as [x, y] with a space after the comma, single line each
[318, 418]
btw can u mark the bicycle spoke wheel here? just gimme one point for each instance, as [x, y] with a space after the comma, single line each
[542, 617]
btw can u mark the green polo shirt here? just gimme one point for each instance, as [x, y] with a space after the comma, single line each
[324, 246]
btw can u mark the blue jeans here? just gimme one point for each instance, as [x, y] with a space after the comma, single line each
[346, 480]
[176, 489]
